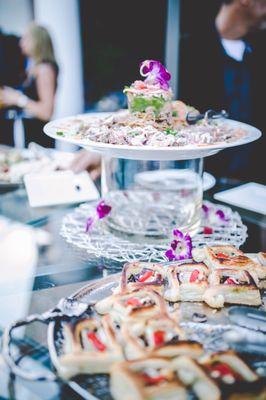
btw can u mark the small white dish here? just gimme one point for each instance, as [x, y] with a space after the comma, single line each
[169, 178]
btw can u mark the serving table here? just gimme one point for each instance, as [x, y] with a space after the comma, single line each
[61, 270]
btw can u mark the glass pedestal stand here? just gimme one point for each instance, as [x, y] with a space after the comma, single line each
[151, 198]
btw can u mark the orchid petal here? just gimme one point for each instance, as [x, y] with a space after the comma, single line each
[178, 234]
[205, 208]
[103, 209]
[220, 214]
[174, 244]
[145, 68]
[89, 224]
[155, 73]
[170, 255]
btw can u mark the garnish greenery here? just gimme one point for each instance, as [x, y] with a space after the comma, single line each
[174, 114]
[126, 89]
[140, 104]
[59, 133]
[170, 131]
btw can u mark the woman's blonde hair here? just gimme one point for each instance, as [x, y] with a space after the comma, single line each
[43, 50]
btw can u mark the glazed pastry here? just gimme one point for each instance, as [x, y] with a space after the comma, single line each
[250, 391]
[228, 368]
[232, 286]
[215, 256]
[193, 375]
[150, 378]
[192, 281]
[138, 275]
[140, 303]
[157, 337]
[90, 347]
[262, 258]
[228, 257]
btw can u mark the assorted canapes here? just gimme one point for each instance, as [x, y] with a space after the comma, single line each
[135, 334]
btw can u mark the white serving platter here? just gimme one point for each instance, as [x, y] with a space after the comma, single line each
[145, 152]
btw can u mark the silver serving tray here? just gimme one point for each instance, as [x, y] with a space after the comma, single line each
[216, 334]
[239, 327]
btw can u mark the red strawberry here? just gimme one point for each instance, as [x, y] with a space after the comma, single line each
[145, 276]
[158, 337]
[194, 275]
[134, 302]
[96, 342]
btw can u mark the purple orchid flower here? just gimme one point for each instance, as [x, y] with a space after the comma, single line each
[102, 210]
[181, 247]
[155, 73]
[205, 208]
[212, 216]
[221, 215]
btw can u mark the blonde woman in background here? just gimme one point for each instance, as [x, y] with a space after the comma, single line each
[36, 98]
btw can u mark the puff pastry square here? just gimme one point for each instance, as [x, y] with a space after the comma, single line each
[140, 303]
[228, 257]
[260, 258]
[157, 337]
[191, 280]
[229, 368]
[151, 378]
[138, 275]
[90, 347]
[234, 377]
[194, 376]
[232, 286]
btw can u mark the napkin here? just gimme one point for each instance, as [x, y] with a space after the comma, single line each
[251, 196]
[60, 187]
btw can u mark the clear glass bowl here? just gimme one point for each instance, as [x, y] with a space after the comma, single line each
[151, 198]
[156, 105]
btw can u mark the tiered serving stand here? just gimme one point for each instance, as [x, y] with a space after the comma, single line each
[102, 242]
[110, 243]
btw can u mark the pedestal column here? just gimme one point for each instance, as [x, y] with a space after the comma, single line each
[61, 18]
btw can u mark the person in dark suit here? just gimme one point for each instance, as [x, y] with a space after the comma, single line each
[223, 67]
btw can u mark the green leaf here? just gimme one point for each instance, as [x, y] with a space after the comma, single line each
[170, 131]
[126, 88]
[140, 104]
[60, 133]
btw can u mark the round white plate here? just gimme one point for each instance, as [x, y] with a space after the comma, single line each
[169, 177]
[144, 152]
[208, 181]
